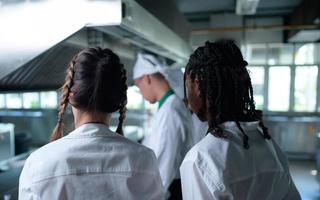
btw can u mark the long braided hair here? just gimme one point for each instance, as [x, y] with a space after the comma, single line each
[225, 87]
[97, 80]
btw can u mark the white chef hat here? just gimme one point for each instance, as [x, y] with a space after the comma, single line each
[149, 64]
[145, 64]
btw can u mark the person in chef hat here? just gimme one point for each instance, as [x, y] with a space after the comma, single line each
[171, 134]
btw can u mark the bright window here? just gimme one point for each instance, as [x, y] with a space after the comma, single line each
[14, 100]
[2, 101]
[31, 100]
[280, 54]
[135, 99]
[49, 99]
[306, 54]
[256, 53]
[257, 79]
[279, 88]
[305, 88]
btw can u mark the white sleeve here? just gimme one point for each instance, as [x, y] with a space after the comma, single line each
[197, 184]
[193, 186]
[25, 192]
[146, 184]
[166, 144]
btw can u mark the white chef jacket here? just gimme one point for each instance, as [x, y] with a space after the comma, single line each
[200, 127]
[171, 137]
[92, 162]
[218, 168]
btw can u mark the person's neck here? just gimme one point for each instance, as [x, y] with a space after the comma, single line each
[162, 90]
[81, 118]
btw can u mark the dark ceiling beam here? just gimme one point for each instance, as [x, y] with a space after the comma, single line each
[306, 13]
[257, 28]
[205, 16]
[168, 12]
[262, 12]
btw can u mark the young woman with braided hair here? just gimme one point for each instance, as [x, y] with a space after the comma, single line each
[92, 162]
[237, 159]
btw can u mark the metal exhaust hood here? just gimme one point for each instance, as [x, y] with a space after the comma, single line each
[34, 31]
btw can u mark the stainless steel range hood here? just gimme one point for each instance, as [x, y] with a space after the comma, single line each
[36, 32]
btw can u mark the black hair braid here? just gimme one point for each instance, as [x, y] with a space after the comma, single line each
[225, 86]
[264, 131]
[238, 91]
[251, 102]
[245, 136]
[122, 109]
[216, 130]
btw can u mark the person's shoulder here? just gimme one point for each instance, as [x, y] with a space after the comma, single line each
[40, 162]
[209, 150]
[140, 157]
[175, 107]
[198, 151]
[175, 102]
[134, 147]
[48, 151]
[56, 157]
[202, 158]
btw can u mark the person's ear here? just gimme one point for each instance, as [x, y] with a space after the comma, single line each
[136, 82]
[148, 79]
[196, 87]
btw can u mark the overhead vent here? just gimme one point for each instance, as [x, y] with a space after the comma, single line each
[246, 7]
[32, 30]
[305, 36]
[306, 16]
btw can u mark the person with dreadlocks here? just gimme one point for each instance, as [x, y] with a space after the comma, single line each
[171, 134]
[237, 159]
[92, 162]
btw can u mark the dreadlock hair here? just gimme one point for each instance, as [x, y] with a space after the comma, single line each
[225, 86]
[97, 80]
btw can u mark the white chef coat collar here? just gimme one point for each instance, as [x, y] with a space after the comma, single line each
[90, 130]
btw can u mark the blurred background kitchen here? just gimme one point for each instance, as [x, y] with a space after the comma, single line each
[279, 39]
